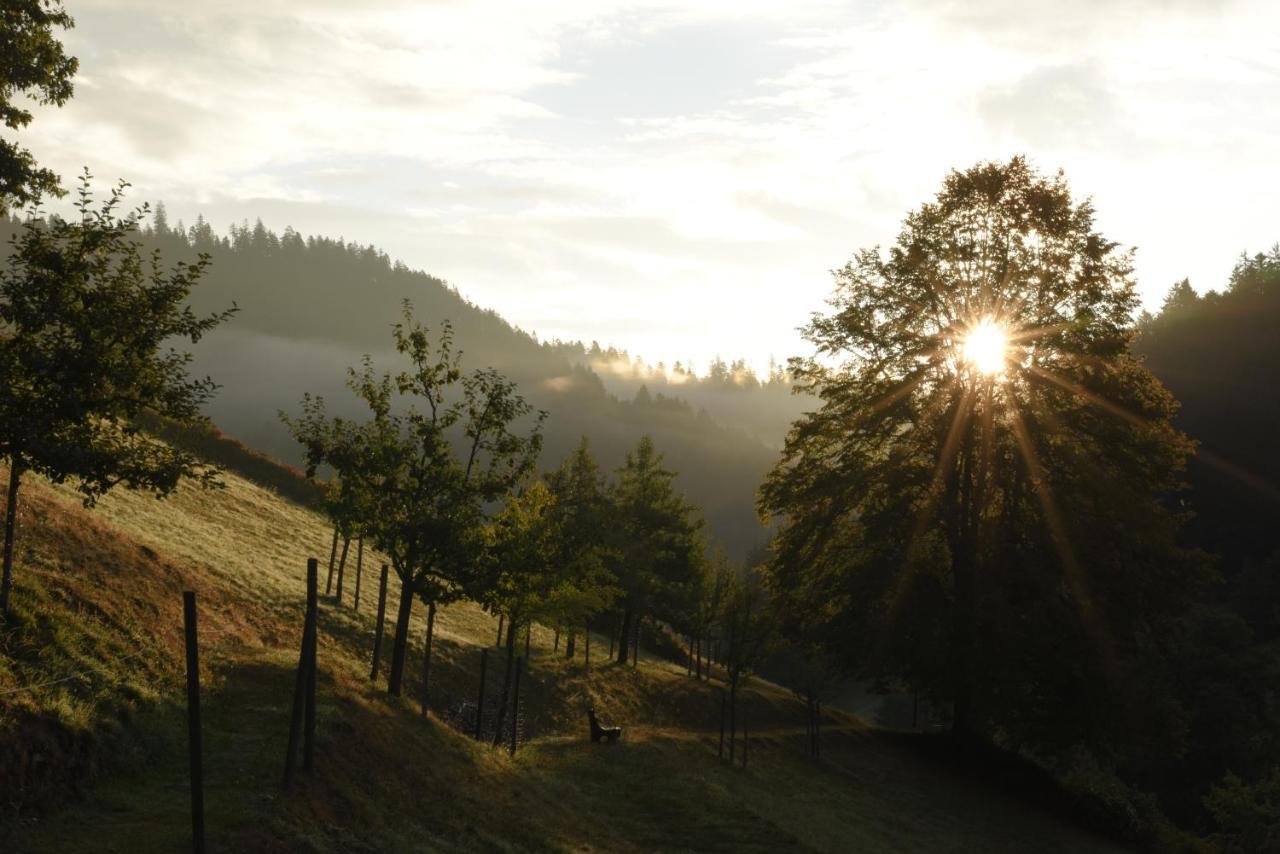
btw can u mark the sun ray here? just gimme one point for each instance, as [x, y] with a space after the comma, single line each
[1072, 570]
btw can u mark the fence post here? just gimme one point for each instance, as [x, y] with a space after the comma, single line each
[301, 692]
[193, 722]
[484, 666]
[723, 700]
[382, 617]
[359, 569]
[311, 630]
[515, 708]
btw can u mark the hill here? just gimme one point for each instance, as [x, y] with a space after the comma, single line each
[310, 308]
[94, 758]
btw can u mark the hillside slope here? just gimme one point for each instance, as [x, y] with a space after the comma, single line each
[99, 595]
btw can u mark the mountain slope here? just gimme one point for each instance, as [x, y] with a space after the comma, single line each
[102, 590]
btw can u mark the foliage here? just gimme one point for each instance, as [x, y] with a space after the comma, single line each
[32, 63]
[1218, 353]
[581, 513]
[657, 539]
[1248, 817]
[87, 326]
[998, 540]
[746, 625]
[425, 494]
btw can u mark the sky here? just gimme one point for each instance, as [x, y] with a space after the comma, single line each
[675, 178]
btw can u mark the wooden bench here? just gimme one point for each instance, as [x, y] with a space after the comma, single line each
[612, 733]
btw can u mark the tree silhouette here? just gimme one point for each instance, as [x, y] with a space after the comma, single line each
[977, 505]
[86, 332]
[32, 63]
[425, 498]
[583, 584]
[657, 539]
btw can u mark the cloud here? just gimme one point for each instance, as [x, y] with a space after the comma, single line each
[674, 177]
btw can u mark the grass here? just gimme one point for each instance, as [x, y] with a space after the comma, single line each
[102, 590]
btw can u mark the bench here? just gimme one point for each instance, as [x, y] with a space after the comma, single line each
[611, 733]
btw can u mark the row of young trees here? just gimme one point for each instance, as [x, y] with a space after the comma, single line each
[440, 476]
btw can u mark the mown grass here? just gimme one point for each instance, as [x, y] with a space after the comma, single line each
[104, 588]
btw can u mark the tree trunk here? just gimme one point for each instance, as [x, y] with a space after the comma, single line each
[733, 723]
[342, 565]
[555, 641]
[333, 557]
[396, 678]
[528, 637]
[586, 638]
[426, 657]
[817, 730]
[10, 530]
[624, 641]
[635, 642]
[745, 740]
[698, 659]
[506, 684]
[690, 662]
[501, 618]
[569, 645]
[723, 701]
[359, 569]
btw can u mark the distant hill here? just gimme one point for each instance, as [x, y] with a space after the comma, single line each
[311, 307]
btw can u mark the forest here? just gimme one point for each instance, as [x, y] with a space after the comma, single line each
[998, 531]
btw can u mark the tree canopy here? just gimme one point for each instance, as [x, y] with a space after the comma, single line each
[32, 63]
[425, 494]
[87, 327]
[988, 526]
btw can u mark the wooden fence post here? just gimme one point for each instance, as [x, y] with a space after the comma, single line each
[723, 700]
[359, 569]
[484, 666]
[515, 708]
[311, 631]
[382, 618]
[302, 693]
[744, 736]
[193, 722]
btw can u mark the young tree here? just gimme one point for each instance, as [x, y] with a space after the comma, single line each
[437, 448]
[658, 540]
[982, 485]
[32, 63]
[521, 563]
[748, 627]
[584, 586]
[86, 332]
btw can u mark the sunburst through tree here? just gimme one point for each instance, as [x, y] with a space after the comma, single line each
[979, 507]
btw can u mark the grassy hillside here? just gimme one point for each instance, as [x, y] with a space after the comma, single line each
[97, 762]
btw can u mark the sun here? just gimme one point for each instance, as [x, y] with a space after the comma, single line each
[985, 347]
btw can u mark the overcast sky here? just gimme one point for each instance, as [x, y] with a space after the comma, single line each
[675, 177]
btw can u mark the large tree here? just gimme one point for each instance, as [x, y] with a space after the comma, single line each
[32, 64]
[978, 506]
[87, 333]
[438, 447]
